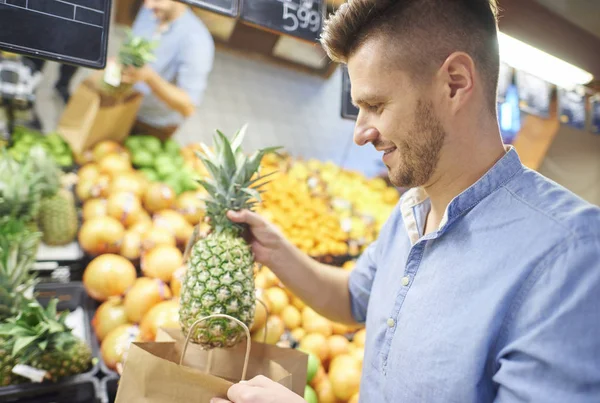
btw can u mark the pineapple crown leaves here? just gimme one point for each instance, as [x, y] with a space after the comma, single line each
[36, 330]
[21, 186]
[47, 169]
[232, 184]
[136, 51]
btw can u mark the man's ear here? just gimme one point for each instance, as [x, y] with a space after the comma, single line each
[457, 75]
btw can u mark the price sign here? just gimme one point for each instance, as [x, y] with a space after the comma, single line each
[534, 94]
[226, 7]
[72, 31]
[349, 111]
[571, 108]
[595, 111]
[300, 18]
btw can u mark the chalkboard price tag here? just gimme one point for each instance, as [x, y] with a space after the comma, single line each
[349, 111]
[230, 8]
[71, 31]
[299, 18]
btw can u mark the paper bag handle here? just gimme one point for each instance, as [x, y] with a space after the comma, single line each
[219, 315]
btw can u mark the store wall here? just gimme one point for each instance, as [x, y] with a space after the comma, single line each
[298, 111]
[573, 160]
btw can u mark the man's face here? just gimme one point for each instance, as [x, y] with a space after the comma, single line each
[396, 116]
[163, 9]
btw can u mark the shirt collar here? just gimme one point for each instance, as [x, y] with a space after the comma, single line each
[498, 175]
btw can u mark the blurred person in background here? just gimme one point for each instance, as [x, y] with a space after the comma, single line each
[173, 85]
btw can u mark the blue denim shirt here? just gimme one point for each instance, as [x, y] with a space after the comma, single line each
[501, 304]
[184, 57]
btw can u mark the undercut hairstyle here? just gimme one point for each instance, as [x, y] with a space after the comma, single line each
[421, 34]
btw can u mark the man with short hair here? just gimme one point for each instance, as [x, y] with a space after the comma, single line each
[173, 84]
[484, 284]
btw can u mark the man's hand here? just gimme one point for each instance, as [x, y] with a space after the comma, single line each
[266, 240]
[132, 75]
[259, 390]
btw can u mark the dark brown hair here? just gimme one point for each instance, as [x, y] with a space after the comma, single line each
[423, 33]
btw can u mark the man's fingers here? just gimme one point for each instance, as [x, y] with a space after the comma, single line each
[247, 217]
[241, 392]
[219, 400]
[260, 381]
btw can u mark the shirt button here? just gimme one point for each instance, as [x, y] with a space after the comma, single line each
[405, 281]
[391, 322]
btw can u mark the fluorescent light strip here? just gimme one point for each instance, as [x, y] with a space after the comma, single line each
[525, 57]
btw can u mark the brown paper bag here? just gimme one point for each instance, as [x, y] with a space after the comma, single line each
[92, 116]
[152, 373]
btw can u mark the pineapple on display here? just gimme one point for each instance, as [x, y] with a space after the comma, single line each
[57, 216]
[220, 278]
[40, 338]
[18, 249]
[20, 189]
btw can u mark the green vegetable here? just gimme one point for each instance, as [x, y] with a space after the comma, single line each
[150, 174]
[171, 147]
[151, 143]
[142, 158]
[310, 395]
[313, 366]
[164, 165]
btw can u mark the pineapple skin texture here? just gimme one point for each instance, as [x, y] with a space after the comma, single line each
[59, 364]
[219, 280]
[58, 219]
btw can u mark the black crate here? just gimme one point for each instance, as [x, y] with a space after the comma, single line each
[108, 389]
[78, 389]
[107, 371]
[70, 297]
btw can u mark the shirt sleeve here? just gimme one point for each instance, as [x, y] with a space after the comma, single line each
[550, 343]
[195, 65]
[361, 281]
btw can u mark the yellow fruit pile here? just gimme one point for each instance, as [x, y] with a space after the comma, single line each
[324, 209]
[305, 220]
[338, 376]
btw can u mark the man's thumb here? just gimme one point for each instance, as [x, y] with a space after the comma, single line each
[245, 216]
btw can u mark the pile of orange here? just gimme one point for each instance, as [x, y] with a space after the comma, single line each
[340, 348]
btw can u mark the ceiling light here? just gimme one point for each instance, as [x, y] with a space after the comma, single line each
[526, 58]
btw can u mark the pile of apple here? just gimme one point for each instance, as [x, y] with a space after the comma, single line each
[336, 350]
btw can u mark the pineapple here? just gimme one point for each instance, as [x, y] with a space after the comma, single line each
[136, 51]
[20, 189]
[220, 278]
[39, 338]
[57, 216]
[18, 249]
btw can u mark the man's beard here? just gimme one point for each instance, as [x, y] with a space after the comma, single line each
[418, 157]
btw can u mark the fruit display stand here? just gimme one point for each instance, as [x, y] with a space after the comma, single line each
[79, 389]
[60, 264]
[82, 388]
[108, 389]
[138, 214]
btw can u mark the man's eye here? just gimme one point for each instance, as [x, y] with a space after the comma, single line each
[373, 108]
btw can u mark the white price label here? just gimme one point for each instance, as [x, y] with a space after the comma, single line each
[298, 16]
[112, 74]
[33, 374]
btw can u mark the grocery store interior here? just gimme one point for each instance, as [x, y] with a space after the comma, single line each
[115, 210]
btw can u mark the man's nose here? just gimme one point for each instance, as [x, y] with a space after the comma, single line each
[364, 134]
